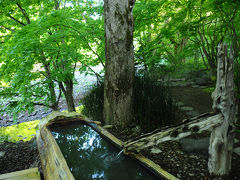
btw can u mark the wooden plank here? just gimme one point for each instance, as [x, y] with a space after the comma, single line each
[108, 135]
[57, 116]
[155, 167]
[28, 174]
[54, 164]
[144, 161]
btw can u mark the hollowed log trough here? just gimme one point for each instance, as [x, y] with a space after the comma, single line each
[54, 165]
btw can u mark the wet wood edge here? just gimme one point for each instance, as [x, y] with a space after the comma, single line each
[156, 169]
[54, 165]
[27, 174]
[65, 118]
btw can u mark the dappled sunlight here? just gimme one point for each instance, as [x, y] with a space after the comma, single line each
[24, 131]
[4, 84]
[78, 109]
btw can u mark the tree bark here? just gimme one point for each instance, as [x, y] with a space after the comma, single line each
[68, 93]
[224, 102]
[53, 97]
[50, 83]
[69, 96]
[119, 68]
[191, 126]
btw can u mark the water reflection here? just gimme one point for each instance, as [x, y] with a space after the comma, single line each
[89, 156]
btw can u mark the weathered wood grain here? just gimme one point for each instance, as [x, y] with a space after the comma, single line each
[193, 126]
[53, 163]
[28, 174]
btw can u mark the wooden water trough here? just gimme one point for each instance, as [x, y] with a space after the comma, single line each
[27, 174]
[54, 165]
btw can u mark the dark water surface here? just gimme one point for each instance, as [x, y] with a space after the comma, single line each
[89, 156]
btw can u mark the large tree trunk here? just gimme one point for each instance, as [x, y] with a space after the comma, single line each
[119, 68]
[69, 96]
[68, 93]
[224, 102]
[53, 97]
[50, 83]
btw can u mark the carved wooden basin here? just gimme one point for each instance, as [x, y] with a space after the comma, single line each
[53, 162]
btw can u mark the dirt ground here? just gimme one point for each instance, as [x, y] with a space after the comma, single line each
[180, 163]
[197, 98]
[18, 156]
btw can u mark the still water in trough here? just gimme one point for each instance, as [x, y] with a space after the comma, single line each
[89, 156]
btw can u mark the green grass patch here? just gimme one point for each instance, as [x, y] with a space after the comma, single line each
[209, 89]
[24, 131]
[78, 109]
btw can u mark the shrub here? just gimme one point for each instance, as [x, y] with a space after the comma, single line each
[93, 102]
[153, 105]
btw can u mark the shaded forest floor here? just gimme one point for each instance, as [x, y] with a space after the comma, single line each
[171, 156]
[175, 158]
[196, 98]
[19, 156]
[180, 161]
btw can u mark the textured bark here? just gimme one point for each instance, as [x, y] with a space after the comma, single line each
[54, 165]
[52, 94]
[53, 97]
[119, 68]
[68, 93]
[224, 102]
[69, 96]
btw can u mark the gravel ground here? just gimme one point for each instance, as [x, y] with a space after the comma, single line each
[172, 157]
[185, 165]
[18, 156]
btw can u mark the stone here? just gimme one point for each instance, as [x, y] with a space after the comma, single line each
[108, 126]
[179, 175]
[179, 103]
[237, 150]
[193, 113]
[186, 108]
[2, 153]
[191, 174]
[199, 146]
[236, 140]
[155, 151]
[195, 86]
[189, 83]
